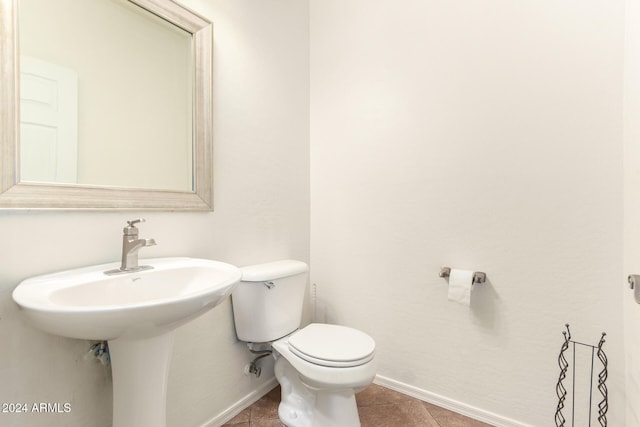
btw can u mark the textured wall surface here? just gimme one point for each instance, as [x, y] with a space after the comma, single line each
[484, 136]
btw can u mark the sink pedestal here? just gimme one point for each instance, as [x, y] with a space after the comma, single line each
[140, 369]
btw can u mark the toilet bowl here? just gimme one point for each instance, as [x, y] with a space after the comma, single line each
[320, 367]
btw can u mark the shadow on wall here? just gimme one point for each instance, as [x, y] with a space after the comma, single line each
[484, 306]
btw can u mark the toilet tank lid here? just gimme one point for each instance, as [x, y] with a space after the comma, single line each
[273, 270]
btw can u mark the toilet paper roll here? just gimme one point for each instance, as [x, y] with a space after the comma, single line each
[460, 283]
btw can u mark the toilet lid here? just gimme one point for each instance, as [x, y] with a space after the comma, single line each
[332, 345]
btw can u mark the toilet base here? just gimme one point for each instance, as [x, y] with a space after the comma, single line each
[303, 406]
[336, 408]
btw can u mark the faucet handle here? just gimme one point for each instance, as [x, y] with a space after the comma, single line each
[133, 222]
[131, 230]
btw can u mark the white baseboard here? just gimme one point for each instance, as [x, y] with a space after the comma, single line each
[242, 404]
[444, 402]
[409, 390]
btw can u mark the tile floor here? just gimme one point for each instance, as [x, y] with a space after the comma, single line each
[378, 407]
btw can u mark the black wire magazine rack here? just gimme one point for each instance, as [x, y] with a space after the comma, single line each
[561, 391]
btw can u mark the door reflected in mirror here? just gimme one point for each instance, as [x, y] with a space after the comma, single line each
[106, 96]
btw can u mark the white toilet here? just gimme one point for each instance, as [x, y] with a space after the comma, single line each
[319, 367]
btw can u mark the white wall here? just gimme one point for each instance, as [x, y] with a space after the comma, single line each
[261, 213]
[632, 207]
[478, 135]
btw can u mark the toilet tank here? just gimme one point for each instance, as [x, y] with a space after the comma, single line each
[267, 303]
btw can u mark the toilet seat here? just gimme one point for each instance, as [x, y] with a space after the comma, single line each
[332, 345]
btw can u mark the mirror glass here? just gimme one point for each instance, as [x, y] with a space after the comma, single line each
[105, 104]
[105, 96]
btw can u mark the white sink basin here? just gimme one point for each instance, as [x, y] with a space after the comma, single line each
[137, 313]
[87, 304]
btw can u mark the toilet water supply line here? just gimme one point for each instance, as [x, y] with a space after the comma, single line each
[253, 368]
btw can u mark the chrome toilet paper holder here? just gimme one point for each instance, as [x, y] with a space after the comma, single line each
[478, 276]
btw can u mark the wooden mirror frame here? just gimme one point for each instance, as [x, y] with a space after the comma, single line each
[21, 195]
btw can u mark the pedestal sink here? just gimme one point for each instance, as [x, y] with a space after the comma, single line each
[137, 313]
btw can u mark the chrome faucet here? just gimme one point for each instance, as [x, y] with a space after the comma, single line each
[130, 246]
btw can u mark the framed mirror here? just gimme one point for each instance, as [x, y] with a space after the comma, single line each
[105, 104]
